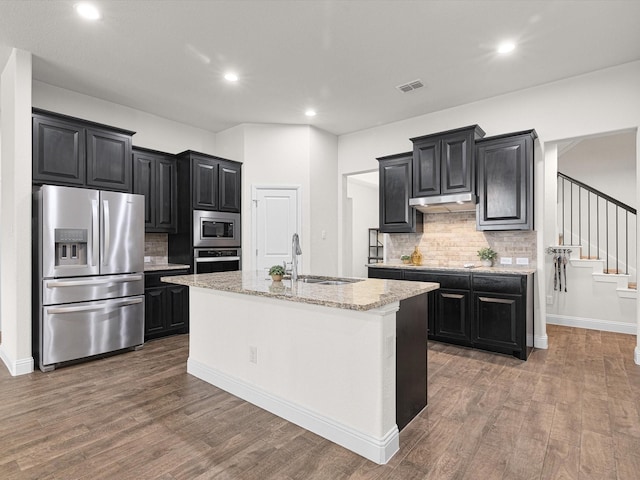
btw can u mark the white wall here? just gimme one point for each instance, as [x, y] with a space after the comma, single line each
[151, 131]
[590, 161]
[603, 101]
[323, 150]
[15, 215]
[364, 201]
[300, 155]
[570, 108]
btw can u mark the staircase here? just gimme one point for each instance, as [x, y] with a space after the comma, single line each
[602, 232]
[599, 284]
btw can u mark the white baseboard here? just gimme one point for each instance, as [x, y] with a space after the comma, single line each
[541, 341]
[21, 366]
[636, 356]
[379, 450]
[593, 324]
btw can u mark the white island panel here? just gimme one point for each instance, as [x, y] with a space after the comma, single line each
[331, 371]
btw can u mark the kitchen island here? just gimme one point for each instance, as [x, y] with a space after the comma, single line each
[345, 359]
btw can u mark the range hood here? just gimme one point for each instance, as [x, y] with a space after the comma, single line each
[460, 202]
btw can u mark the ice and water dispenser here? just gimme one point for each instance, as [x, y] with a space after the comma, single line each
[71, 246]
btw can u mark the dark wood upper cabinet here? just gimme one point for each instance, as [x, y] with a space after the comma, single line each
[426, 167]
[396, 216]
[505, 181]
[155, 177]
[71, 151]
[59, 154]
[205, 183]
[144, 178]
[166, 194]
[443, 163]
[229, 180]
[108, 160]
[215, 183]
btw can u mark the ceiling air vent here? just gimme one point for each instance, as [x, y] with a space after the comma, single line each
[411, 86]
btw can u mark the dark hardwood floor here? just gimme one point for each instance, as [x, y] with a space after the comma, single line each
[570, 412]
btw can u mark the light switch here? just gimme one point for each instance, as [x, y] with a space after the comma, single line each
[522, 261]
[506, 261]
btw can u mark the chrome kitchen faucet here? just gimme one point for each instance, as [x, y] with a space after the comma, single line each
[295, 251]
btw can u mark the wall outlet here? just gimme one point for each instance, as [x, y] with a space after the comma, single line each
[253, 354]
[549, 299]
[522, 261]
[146, 259]
[506, 261]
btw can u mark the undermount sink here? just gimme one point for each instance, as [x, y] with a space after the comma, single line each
[328, 281]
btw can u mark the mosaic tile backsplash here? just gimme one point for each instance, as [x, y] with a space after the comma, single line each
[451, 240]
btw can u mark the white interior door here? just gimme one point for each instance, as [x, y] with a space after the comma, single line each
[276, 220]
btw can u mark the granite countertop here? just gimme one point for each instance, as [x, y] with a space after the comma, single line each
[158, 267]
[501, 269]
[363, 295]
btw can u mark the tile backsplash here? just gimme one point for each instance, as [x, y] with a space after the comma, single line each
[156, 246]
[451, 240]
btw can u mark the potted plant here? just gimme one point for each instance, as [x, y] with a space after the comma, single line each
[406, 259]
[276, 272]
[487, 256]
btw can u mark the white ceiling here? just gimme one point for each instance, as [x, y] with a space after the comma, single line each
[342, 57]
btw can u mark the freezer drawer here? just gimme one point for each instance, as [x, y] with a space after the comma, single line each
[70, 332]
[83, 289]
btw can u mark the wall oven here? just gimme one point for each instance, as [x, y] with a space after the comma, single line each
[211, 260]
[216, 229]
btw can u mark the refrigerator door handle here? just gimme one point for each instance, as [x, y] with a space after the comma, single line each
[94, 232]
[88, 308]
[89, 283]
[107, 232]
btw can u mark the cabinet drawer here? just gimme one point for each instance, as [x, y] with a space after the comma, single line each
[514, 284]
[459, 281]
[152, 279]
[387, 273]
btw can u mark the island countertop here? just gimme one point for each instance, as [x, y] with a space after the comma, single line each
[362, 295]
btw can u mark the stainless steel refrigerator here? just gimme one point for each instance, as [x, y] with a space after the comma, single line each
[88, 273]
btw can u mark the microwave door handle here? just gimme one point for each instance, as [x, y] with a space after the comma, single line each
[94, 232]
[107, 232]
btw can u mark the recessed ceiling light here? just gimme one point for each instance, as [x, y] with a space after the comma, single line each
[231, 77]
[310, 113]
[506, 47]
[87, 11]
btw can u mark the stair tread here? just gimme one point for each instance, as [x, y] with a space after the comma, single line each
[633, 285]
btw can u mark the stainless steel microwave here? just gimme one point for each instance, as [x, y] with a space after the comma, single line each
[216, 229]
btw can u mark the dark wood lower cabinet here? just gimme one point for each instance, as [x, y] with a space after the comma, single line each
[451, 310]
[482, 310]
[503, 308]
[496, 321]
[166, 306]
[452, 316]
[411, 359]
